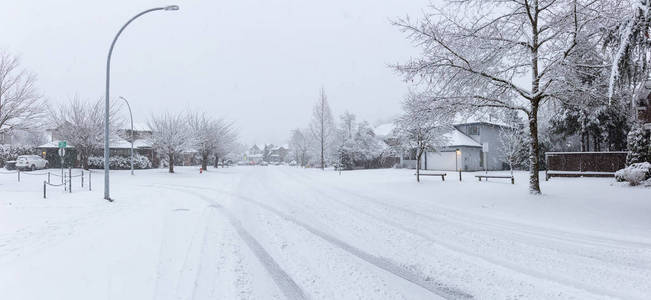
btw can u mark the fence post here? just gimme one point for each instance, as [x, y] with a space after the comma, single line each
[18, 175]
[82, 178]
[89, 182]
[460, 175]
[44, 190]
[70, 180]
[48, 177]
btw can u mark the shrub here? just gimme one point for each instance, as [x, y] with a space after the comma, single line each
[120, 162]
[635, 173]
[11, 152]
[638, 145]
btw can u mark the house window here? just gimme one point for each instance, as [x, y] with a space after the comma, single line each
[473, 130]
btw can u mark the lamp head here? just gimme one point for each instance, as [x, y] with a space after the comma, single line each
[172, 7]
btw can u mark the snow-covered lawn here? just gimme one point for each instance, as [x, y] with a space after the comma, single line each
[282, 232]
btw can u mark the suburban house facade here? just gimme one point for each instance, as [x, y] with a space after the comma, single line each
[277, 153]
[119, 145]
[253, 156]
[471, 146]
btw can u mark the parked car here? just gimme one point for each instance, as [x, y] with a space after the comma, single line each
[264, 163]
[292, 163]
[30, 162]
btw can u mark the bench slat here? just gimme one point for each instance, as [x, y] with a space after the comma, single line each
[432, 174]
[495, 176]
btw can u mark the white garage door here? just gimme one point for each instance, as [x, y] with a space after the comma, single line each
[441, 161]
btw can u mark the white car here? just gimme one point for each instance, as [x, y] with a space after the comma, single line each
[30, 162]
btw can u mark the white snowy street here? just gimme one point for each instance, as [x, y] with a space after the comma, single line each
[291, 233]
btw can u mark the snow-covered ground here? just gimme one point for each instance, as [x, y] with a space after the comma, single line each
[282, 232]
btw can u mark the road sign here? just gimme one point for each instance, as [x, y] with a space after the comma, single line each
[62, 152]
[63, 144]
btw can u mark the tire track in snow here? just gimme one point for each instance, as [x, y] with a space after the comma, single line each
[568, 281]
[387, 265]
[498, 224]
[285, 283]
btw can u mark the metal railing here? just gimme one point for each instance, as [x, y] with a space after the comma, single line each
[66, 179]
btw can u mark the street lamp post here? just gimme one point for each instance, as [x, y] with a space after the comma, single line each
[106, 106]
[132, 140]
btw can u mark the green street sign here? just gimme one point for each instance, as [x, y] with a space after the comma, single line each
[63, 144]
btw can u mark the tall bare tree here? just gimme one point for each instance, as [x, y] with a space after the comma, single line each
[20, 104]
[299, 145]
[226, 141]
[422, 127]
[81, 123]
[170, 135]
[322, 126]
[476, 53]
[210, 137]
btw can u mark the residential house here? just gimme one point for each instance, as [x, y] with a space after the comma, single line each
[253, 156]
[277, 153]
[471, 146]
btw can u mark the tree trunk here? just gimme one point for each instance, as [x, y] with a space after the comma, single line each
[534, 150]
[322, 148]
[171, 163]
[418, 157]
[216, 161]
[84, 161]
[204, 161]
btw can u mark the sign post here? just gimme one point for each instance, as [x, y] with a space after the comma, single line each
[62, 153]
[484, 149]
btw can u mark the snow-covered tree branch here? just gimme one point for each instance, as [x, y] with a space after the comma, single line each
[422, 127]
[20, 104]
[475, 53]
[81, 123]
[170, 135]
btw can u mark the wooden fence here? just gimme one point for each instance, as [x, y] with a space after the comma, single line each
[584, 163]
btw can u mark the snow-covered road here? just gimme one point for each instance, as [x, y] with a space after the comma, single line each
[291, 233]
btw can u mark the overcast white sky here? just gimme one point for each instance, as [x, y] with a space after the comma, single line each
[259, 63]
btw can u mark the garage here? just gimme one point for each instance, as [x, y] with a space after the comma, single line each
[440, 161]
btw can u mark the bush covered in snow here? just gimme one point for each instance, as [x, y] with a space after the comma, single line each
[120, 162]
[638, 145]
[635, 173]
[11, 152]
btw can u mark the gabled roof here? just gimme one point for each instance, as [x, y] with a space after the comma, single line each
[458, 138]
[136, 126]
[115, 143]
[384, 130]
[54, 144]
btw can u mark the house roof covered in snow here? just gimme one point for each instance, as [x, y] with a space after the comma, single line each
[458, 138]
[116, 143]
[384, 130]
[136, 126]
[54, 144]
[479, 118]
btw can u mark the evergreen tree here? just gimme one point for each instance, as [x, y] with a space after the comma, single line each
[638, 145]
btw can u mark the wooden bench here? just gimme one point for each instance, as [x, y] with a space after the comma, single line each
[496, 176]
[553, 173]
[433, 174]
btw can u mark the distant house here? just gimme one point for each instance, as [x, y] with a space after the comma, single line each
[253, 156]
[119, 145]
[468, 145]
[278, 153]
